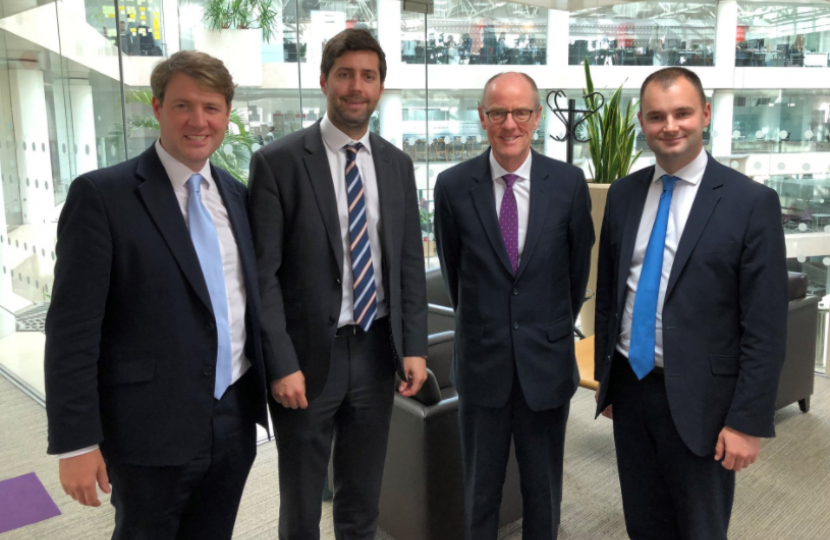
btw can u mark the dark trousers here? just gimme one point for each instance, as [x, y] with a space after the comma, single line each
[539, 438]
[668, 492]
[354, 410]
[199, 499]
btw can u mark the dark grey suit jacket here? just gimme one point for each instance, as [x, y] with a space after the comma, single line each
[507, 322]
[299, 254]
[725, 309]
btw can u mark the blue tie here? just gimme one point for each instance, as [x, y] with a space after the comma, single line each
[364, 292]
[644, 319]
[206, 242]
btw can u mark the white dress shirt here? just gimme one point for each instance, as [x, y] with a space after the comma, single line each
[335, 140]
[521, 190]
[683, 196]
[179, 174]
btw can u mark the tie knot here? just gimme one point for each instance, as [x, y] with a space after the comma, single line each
[194, 183]
[510, 179]
[352, 150]
[668, 182]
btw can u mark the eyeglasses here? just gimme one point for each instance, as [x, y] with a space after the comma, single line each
[520, 116]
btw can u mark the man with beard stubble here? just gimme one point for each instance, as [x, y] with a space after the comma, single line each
[336, 224]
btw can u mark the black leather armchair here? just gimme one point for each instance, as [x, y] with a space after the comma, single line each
[422, 497]
[798, 373]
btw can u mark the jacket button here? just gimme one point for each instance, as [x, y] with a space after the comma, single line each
[515, 292]
[338, 281]
[211, 325]
[208, 371]
[332, 320]
[515, 326]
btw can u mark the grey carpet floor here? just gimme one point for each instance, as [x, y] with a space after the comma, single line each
[786, 495]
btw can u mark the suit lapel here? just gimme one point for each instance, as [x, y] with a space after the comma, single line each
[705, 202]
[485, 203]
[235, 205]
[539, 202]
[634, 213]
[391, 196]
[160, 200]
[319, 174]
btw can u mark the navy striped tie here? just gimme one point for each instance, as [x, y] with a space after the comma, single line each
[365, 293]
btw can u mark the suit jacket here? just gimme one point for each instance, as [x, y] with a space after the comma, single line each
[725, 309]
[523, 321]
[130, 334]
[300, 255]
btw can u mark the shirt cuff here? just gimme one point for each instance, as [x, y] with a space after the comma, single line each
[80, 452]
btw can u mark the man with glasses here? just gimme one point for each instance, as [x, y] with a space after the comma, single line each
[514, 236]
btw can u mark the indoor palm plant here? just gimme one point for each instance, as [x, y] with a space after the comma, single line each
[242, 14]
[612, 135]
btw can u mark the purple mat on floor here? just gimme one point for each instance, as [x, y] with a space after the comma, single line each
[23, 501]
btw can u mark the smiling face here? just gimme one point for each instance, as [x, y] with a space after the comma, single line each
[353, 89]
[192, 120]
[672, 120]
[510, 141]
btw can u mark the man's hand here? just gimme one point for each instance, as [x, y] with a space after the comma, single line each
[290, 391]
[415, 368]
[608, 412]
[737, 449]
[79, 475]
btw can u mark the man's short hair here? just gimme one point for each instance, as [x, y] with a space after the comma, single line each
[209, 72]
[536, 100]
[666, 78]
[352, 39]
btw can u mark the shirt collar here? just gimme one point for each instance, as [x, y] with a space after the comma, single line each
[336, 139]
[178, 172]
[523, 172]
[691, 173]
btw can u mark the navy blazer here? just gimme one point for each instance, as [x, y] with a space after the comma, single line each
[524, 321]
[725, 309]
[130, 334]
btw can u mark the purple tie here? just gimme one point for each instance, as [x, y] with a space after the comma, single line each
[509, 221]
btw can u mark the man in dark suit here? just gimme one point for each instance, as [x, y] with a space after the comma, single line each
[337, 232]
[690, 321]
[154, 372]
[514, 236]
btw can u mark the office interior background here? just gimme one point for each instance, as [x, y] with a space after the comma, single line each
[75, 96]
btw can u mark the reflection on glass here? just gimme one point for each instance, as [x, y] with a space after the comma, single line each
[477, 32]
[783, 35]
[781, 121]
[805, 202]
[644, 34]
[138, 26]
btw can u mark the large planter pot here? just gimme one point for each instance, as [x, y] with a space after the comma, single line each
[599, 194]
[240, 50]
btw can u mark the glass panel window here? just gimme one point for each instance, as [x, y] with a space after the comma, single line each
[644, 34]
[477, 32]
[781, 121]
[786, 35]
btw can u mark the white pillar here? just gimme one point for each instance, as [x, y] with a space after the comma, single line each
[389, 31]
[83, 126]
[391, 117]
[31, 130]
[170, 25]
[723, 104]
[558, 37]
[726, 29]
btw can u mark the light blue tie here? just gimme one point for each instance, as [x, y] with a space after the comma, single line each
[206, 242]
[644, 318]
[364, 291]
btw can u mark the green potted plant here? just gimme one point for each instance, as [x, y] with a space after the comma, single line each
[612, 133]
[242, 15]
